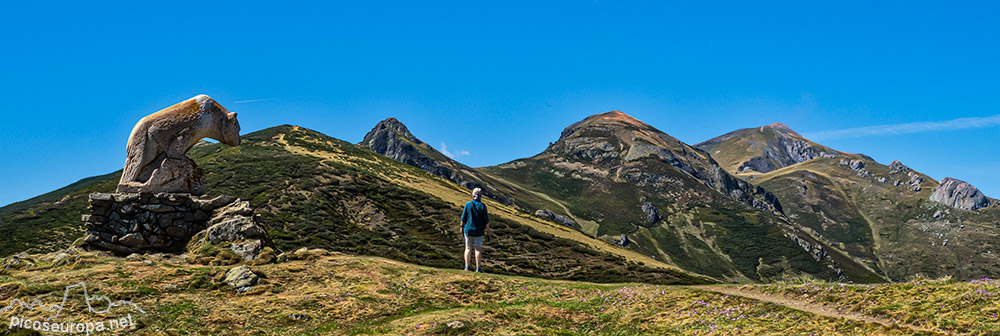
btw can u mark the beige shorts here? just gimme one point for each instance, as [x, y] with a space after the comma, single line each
[473, 241]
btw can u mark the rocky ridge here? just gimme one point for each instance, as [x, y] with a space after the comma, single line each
[614, 139]
[959, 194]
[391, 138]
[774, 146]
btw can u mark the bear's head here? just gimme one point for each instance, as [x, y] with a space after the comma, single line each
[228, 126]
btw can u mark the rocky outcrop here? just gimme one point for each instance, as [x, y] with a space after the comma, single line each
[623, 242]
[777, 146]
[236, 228]
[552, 216]
[391, 138]
[959, 194]
[652, 215]
[155, 160]
[915, 179]
[898, 167]
[786, 151]
[857, 165]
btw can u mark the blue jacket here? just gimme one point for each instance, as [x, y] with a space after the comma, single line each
[475, 218]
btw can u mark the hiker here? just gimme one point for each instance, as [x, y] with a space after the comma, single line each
[475, 222]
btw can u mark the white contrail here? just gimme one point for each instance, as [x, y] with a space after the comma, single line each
[914, 127]
[252, 101]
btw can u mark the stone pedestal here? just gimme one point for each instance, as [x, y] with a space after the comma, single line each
[142, 222]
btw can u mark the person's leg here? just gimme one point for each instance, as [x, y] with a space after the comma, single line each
[479, 250]
[468, 251]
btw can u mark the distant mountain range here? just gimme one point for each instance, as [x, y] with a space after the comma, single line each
[613, 199]
[894, 219]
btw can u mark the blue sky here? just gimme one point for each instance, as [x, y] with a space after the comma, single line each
[497, 81]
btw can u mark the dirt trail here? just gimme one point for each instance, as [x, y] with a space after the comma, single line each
[818, 309]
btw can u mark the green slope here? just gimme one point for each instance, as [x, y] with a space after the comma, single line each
[873, 214]
[594, 173]
[312, 190]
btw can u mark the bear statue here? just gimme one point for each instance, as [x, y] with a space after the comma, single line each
[155, 160]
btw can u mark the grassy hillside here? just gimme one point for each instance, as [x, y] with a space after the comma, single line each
[337, 294]
[905, 237]
[51, 221]
[315, 191]
[962, 307]
[877, 214]
[604, 169]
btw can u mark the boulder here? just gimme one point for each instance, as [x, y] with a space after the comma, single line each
[298, 316]
[652, 215]
[242, 278]
[548, 214]
[623, 242]
[857, 165]
[233, 227]
[898, 167]
[959, 194]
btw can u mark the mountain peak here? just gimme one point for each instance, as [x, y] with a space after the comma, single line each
[393, 125]
[615, 116]
[764, 149]
[780, 127]
[617, 120]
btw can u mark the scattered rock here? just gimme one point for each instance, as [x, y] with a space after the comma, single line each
[298, 317]
[242, 278]
[937, 214]
[623, 242]
[915, 179]
[959, 194]
[898, 167]
[456, 324]
[303, 254]
[18, 261]
[134, 257]
[857, 165]
[548, 214]
[652, 215]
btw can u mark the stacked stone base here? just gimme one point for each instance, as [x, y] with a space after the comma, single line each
[142, 222]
